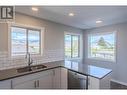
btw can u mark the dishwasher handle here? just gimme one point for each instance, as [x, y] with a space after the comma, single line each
[80, 76]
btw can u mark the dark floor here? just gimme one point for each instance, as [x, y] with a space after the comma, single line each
[115, 85]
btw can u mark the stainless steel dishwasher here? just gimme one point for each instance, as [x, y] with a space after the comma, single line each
[77, 81]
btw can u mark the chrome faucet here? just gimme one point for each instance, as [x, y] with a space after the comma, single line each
[29, 60]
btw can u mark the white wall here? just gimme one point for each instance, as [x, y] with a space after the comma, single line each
[120, 67]
[53, 41]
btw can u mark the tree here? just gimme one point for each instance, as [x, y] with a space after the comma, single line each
[102, 42]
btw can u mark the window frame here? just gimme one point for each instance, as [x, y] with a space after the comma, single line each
[27, 27]
[79, 45]
[115, 46]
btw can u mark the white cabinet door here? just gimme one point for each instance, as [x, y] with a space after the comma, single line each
[60, 79]
[45, 81]
[6, 84]
[93, 83]
[25, 85]
[64, 78]
[24, 82]
[105, 82]
[57, 78]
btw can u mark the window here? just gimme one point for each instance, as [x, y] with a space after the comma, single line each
[72, 43]
[25, 40]
[102, 46]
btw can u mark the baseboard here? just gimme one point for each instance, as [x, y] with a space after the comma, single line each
[122, 83]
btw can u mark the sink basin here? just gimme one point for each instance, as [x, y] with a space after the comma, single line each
[31, 68]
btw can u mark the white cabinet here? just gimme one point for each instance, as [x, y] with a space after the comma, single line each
[45, 81]
[95, 83]
[60, 79]
[40, 80]
[30, 84]
[64, 78]
[57, 78]
[49, 79]
[6, 84]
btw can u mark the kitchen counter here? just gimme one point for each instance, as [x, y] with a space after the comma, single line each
[76, 66]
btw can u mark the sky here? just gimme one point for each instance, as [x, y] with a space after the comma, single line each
[20, 34]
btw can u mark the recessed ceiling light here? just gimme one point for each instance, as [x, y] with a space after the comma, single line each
[34, 8]
[71, 14]
[99, 21]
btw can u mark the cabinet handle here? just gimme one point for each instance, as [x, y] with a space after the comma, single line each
[54, 72]
[87, 82]
[35, 84]
[11, 85]
[38, 83]
[82, 78]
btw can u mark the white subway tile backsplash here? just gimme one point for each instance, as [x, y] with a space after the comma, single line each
[48, 56]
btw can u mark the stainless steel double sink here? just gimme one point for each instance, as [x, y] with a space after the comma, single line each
[30, 68]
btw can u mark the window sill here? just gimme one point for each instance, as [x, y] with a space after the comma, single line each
[72, 59]
[99, 59]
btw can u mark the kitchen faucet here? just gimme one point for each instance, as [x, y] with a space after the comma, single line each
[29, 60]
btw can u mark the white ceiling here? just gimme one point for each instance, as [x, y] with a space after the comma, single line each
[85, 16]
